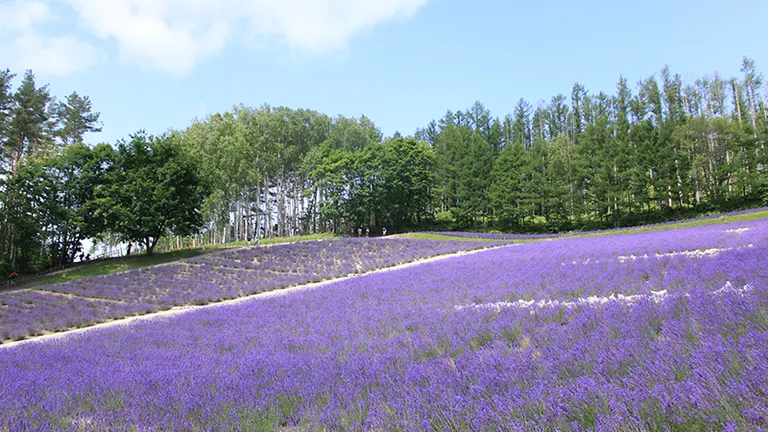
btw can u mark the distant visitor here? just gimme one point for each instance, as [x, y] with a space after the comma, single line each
[12, 278]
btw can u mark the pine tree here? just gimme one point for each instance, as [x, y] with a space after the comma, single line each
[6, 113]
[507, 191]
[474, 171]
[30, 114]
[577, 99]
[521, 127]
[538, 124]
[557, 116]
[77, 118]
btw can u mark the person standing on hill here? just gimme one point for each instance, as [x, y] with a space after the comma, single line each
[12, 278]
[384, 231]
[367, 232]
[359, 232]
[130, 245]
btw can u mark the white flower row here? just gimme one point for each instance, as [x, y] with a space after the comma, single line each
[654, 296]
[736, 230]
[698, 253]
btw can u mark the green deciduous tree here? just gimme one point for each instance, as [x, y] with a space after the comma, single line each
[154, 189]
[59, 189]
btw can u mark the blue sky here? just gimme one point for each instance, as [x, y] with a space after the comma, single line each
[156, 64]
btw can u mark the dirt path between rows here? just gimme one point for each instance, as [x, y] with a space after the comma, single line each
[274, 293]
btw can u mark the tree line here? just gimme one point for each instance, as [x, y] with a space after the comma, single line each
[658, 150]
[280, 171]
[55, 191]
[666, 150]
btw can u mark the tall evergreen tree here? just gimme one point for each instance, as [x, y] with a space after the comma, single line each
[521, 128]
[76, 118]
[507, 190]
[577, 99]
[28, 133]
[6, 113]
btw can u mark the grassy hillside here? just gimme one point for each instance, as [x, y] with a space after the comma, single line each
[762, 214]
[115, 265]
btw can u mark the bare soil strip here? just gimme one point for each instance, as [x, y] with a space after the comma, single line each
[274, 293]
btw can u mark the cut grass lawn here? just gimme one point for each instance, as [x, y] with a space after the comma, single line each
[115, 265]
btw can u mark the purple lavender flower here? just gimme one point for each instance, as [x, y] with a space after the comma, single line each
[209, 278]
[582, 339]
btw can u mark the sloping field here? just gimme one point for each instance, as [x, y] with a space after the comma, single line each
[736, 216]
[666, 330]
[208, 278]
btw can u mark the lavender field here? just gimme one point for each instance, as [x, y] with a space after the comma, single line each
[208, 278]
[665, 330]
[30, 313]
[495, 236]
[505, 236]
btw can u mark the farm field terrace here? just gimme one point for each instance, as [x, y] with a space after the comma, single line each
[663, 330]
[736, 216]
[212, 277]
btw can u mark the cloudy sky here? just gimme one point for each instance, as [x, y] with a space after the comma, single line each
[156, 64]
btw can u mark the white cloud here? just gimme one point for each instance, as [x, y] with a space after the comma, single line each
[24, 46]
[173, 35]
[22, 15]
[55, 55]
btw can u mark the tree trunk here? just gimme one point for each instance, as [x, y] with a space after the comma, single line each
[753, 109]
[257, 216]
[736, 99]
[268, 208]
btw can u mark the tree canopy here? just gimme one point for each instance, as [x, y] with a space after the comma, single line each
[152, 189]
[661, 149]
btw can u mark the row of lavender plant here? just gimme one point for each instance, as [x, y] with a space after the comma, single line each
[30, 313]
[212, 277]
[233, 273]
[494, 235]
[450, 345]
[505, 236]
